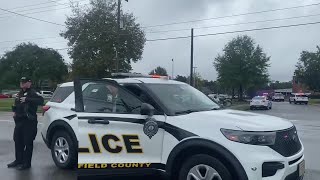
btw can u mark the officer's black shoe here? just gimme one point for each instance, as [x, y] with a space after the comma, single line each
[13, 164]
[23, 167]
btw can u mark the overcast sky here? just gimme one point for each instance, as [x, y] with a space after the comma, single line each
[283, 45]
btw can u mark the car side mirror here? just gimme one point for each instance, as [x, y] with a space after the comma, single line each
[146, 109]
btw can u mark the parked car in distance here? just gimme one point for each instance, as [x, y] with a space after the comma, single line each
[46, 94]
[214, 97]
[260, 102]
[300, 98]
[278, 97]
[3, 96]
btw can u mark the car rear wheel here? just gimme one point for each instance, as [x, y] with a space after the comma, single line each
[63, 150]
[205, 167]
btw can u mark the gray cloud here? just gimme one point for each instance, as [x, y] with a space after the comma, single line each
[283, 45]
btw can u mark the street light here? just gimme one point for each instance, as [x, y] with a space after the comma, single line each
[172, 68]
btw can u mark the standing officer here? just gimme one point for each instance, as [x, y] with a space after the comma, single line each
[25, 117]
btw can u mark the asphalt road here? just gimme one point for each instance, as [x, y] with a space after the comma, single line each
[43, 166]
[306, 118]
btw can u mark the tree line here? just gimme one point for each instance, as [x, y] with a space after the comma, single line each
[93, 42]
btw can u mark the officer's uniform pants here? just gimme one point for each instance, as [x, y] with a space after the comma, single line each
[24, 135]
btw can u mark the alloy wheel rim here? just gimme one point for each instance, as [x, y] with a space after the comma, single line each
[61, 150]
[203, 172]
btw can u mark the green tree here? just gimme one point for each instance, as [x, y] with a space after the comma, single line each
[159, 71]
[242, 66]
[181, 79]
[308, 69]
[92, 35]
[30, 60]
[280, 85]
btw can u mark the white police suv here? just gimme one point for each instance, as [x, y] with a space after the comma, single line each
[131, 125]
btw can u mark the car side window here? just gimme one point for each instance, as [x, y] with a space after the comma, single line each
[108, 98]
[143, 97]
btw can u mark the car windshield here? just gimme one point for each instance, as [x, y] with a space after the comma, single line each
[258, 98]
[182, 98]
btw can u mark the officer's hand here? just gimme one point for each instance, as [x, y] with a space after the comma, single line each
[14, 115]
[23, 99]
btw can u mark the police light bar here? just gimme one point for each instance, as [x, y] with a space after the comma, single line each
[137, 75]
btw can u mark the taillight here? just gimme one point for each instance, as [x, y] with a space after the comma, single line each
[45, 109]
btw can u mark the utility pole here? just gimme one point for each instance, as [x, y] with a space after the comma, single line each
[194, 77]
[191, 65]
[118, 36]
[172, 68]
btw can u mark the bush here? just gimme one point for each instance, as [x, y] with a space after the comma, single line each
[314, 96]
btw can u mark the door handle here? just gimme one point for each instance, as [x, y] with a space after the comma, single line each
[98, 121]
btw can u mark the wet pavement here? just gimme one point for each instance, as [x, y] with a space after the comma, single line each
[306, 119]
[43, 167]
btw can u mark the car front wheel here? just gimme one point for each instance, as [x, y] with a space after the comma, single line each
[203, 166]
[63, 150]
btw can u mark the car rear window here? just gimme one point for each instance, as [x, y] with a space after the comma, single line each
[61, 94]
[259, 98]
[302, 96]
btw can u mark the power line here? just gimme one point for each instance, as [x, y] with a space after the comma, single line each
[229, 32]
[31, 5]
[58, 4]
[233, 15]
[28, 39]
[238, 31]
[37, 12]
[49, 22]
[234, 24]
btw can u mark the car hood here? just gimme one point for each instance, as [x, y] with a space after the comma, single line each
[232, 119]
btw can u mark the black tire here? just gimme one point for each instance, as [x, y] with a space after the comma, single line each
[295, 102]
[251, 108]
[72, 159]
[206, 160]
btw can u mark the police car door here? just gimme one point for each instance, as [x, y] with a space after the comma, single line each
[112, 131]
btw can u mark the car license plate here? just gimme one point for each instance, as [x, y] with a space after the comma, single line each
[302, 167]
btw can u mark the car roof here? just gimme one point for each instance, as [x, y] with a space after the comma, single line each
[148, 81]
[259, 97]
[66, 84]
[135, 81]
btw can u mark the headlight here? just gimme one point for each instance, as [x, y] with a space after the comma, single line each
[254, 138]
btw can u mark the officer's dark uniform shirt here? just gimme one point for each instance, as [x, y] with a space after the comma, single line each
[27, 109]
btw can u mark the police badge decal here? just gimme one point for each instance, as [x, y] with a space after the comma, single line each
[151, 127]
